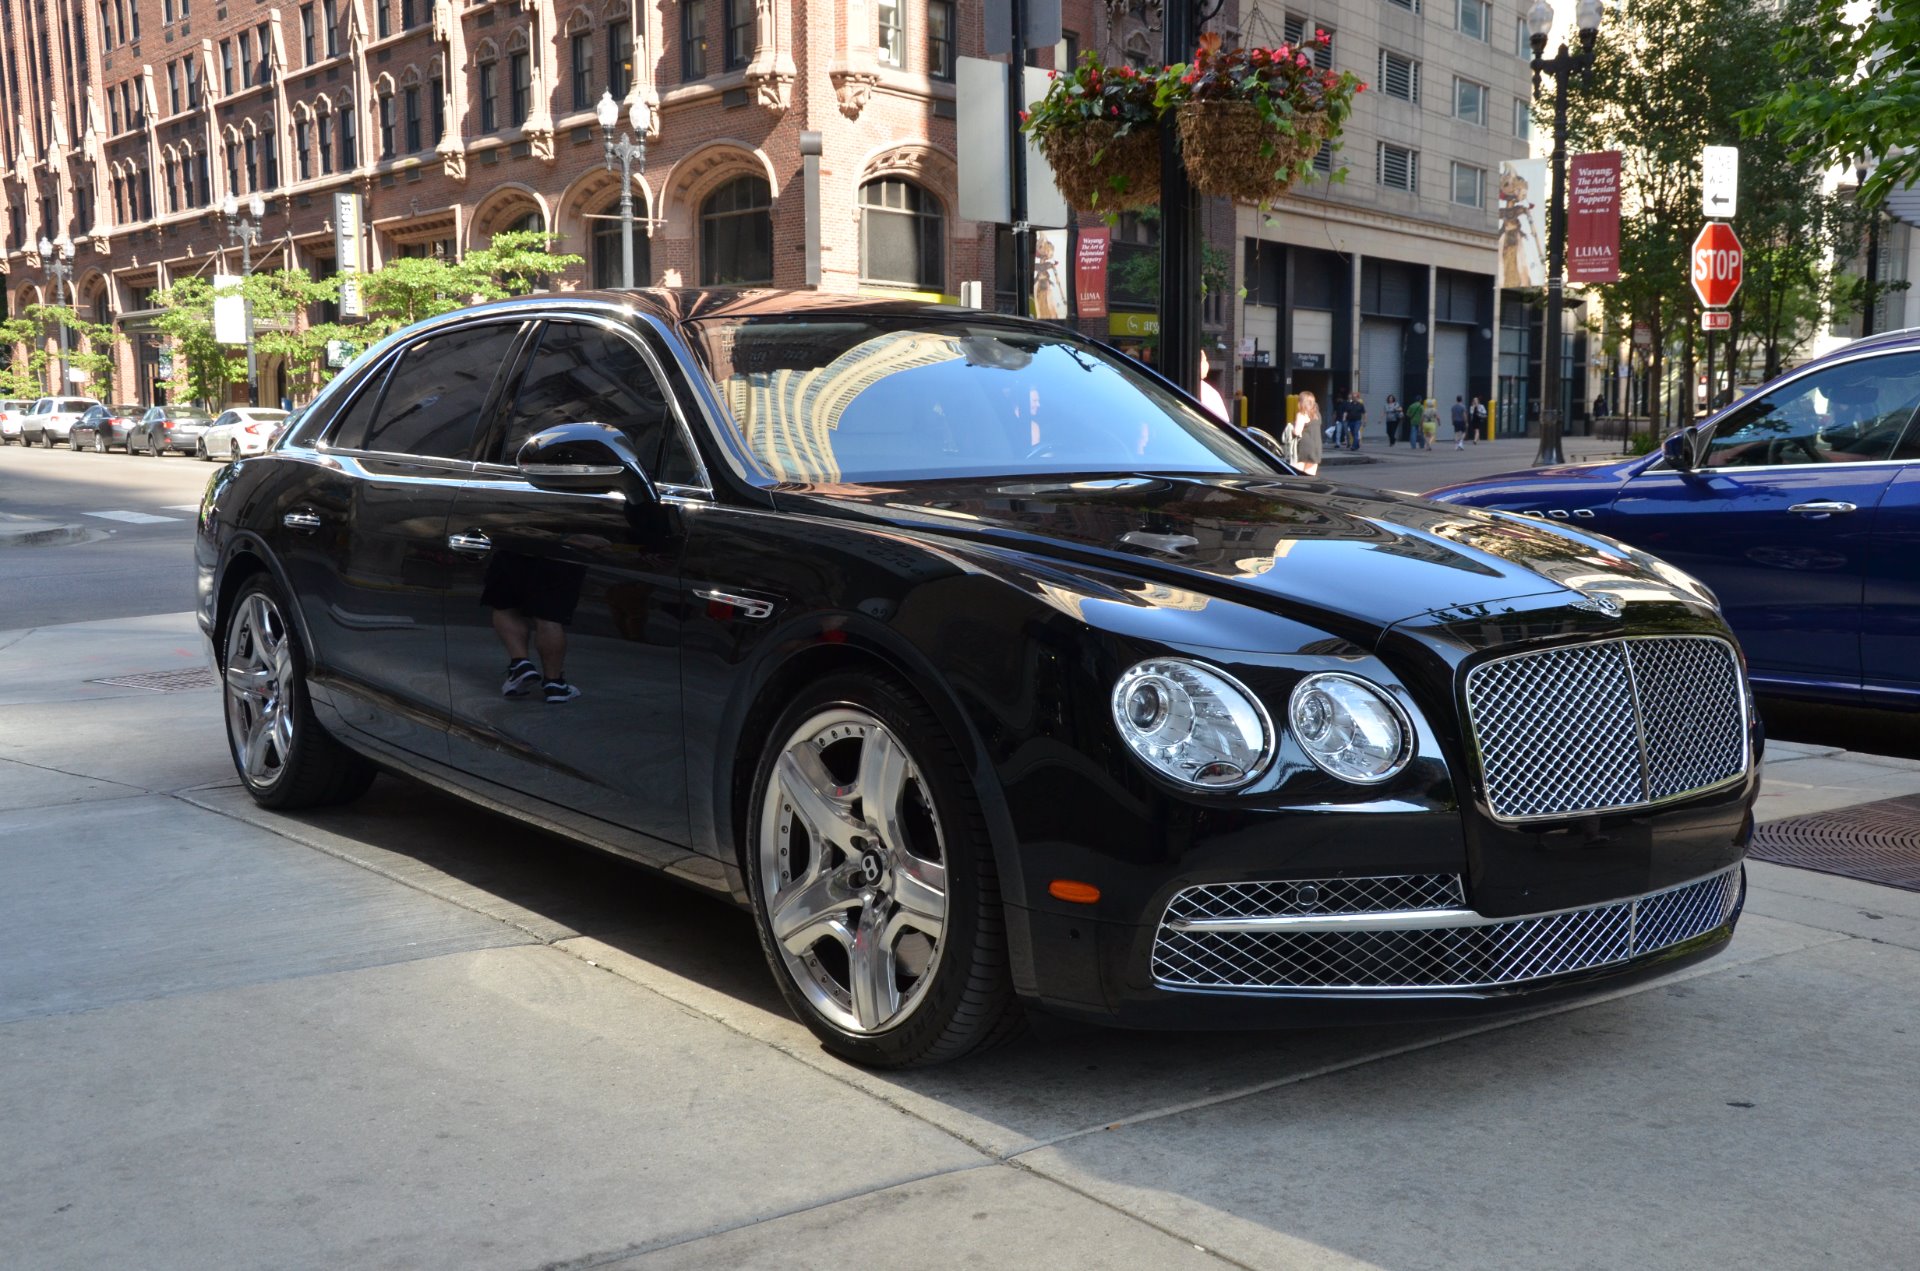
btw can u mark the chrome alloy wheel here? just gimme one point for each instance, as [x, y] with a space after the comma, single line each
[260, 696]
[853, 870]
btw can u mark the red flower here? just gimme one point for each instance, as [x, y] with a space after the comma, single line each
[1113, 110]
[1023, 116]
[1053, 74]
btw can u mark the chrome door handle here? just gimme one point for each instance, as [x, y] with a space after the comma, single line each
[473, 542]
[1822, 509]
[303, 520]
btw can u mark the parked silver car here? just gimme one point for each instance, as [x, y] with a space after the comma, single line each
[52, 418]
[165, 428]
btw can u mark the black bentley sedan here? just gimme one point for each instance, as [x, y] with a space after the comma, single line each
[982, 665]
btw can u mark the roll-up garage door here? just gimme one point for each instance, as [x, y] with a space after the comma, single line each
[1381, 346]
[1450, 352]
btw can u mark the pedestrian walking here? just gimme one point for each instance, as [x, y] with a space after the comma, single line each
[1396, 419]
[1416, 439]
[1304, 436]
[1459, 423]
[1209, 395]
[1477, 416]
[1356, 420]
[1430, 421]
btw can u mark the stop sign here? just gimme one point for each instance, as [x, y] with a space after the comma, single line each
[1717, 265]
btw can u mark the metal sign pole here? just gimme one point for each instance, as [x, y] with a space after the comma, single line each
[1017, 152]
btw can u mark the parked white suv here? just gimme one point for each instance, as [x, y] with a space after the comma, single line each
[52, 418]
[12, 411]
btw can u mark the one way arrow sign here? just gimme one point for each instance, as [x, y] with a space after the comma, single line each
[1719, 181]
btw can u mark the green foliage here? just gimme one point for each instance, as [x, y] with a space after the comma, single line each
[415, 287]
[1093, 92]
[1642, 443]
[89, 349]
[1847, 89]
[1293, 98]
[24, 375]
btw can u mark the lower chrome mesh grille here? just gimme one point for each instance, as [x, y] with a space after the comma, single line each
[1615, 724]
[1457, 952]
[1381, 894]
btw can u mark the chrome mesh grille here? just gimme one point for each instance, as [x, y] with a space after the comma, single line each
[1618, 724]
[1384, 894]
[1436, 958]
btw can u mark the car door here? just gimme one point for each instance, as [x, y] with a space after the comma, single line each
[363, 537]
[585, 585]
[1777, 518]
[1890, 619]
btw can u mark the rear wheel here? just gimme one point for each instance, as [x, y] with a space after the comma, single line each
[283, 755]
[200, 452]
[873, 882]
[100, 446]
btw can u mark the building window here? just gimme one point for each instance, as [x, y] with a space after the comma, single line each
[520, 86]
[386, 126]
[1522, 38]
[437, 103]
[271, 149]
[382, 20]
[349, 140]
[1469, 185]
[892, 43]
[306, 36]
[606, 248]
[173, 88]
[1399, 77]
[1476, 19]
[581, 45]
[193, 84]
[736, 234]
[113, 114]
[263, 69]
[330, 18]
[324, 144]
[1399, 167]
[902, 233]
[409, 14]
[1300, 28]
[739, 18]
[303, 151]
[226, 68]
[246, 59]
[252, 160]
[410, 100]
[1470, 101]
[1522, 119]
[693, 40]
[233, 168]
[940, 32]
[620, 58]
[1411, 6]
[488, 98]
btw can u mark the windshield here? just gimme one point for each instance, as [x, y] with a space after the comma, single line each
[184, 412]
[866, 399]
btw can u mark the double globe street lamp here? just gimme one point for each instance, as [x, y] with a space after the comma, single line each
[58, 253]
[629, 149]
[246, 232]
[1562, 66]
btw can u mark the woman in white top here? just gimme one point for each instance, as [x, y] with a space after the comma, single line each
[1303, 437]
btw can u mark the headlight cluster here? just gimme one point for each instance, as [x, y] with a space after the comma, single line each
[1204, 729]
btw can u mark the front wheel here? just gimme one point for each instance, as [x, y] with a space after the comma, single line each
[283, 755]
[200, 452]
[873, 883]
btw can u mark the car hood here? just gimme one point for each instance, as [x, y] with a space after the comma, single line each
[1605, 472]
[1292, 544]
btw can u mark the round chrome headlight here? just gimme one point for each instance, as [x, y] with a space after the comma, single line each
[1350, 728]
[1192, 723]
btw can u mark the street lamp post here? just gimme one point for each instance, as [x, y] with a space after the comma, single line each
[246, 231]
[1562, 66]
[628, 148]
[58, 254]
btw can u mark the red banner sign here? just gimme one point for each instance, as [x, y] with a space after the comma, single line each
[1593, 217]
[1090, 273]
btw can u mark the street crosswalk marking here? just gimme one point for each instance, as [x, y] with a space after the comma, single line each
[181, 507]
[134, 518]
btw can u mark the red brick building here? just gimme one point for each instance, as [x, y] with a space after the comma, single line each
[133, 120]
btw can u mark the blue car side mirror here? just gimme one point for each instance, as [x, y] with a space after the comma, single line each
[1678, 450]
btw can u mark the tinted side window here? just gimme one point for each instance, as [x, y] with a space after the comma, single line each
[1851, 413]
[434, 396]
[583, 373]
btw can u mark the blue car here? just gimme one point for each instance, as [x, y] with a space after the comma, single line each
[1798, 505]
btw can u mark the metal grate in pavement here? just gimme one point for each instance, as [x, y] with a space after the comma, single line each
[164, 681]
[1874, 842]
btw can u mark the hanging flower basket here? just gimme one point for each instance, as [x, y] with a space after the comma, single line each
[1230, 148]
[1100, 169]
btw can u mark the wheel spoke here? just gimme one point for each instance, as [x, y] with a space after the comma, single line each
[249, 681]
[283, 733]
[259, 738]
[882, 784]
[920, 889]
[876, 997]
[808, 789]
[805, 915]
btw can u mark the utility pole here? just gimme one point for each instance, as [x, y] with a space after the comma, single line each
[1017, 153]
[1180, 228]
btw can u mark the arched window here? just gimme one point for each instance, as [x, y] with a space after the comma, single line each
[487, 72]
[605, 252]
[736, 234]
[530, 221]
[901, 235]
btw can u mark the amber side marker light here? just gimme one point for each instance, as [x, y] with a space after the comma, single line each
[1074, 893]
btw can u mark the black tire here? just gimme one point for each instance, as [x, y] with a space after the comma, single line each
[316, 770]
[100, 446]
[73, 443]
[969, 1003]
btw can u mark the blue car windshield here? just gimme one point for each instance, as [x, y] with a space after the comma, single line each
[871, 399]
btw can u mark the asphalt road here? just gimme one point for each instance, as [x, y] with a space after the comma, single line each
[138, 557]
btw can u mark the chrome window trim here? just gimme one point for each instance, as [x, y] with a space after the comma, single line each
[1746, 730]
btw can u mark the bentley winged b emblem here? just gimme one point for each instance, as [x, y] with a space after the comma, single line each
[1600, 602]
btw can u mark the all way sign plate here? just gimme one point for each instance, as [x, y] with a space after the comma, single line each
[1719, 181]
[1716, 320]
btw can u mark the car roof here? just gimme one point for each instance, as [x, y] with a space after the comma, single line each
[676, 306]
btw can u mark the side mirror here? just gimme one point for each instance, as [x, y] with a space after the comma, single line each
[1269, 443]
[585, 458]
[1677, 450]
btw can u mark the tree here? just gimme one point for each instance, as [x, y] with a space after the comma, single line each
[410, 288]
[89, 349]
[1849, 91]
[203, 368]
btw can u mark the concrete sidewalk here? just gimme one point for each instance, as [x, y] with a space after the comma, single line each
[410, 1034]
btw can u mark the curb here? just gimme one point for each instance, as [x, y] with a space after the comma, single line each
[47, 536]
